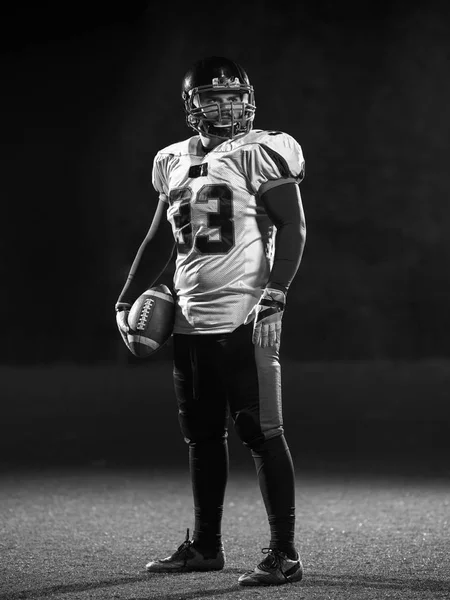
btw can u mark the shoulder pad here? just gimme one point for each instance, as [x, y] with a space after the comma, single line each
[280, 142]
[180, 148]
[273, 155]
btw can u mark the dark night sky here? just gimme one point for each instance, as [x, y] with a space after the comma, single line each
[89, 97]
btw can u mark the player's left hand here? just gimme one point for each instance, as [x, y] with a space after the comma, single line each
[267, 315]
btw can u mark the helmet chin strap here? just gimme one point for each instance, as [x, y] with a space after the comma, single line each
[223, 132]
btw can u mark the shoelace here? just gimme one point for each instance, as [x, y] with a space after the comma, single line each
[184, 546]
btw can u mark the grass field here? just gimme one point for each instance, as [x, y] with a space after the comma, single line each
[87, 534]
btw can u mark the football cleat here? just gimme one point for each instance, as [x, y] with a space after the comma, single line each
[275, 569]
[188, 558]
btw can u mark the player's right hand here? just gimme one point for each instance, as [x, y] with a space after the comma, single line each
[122, 312]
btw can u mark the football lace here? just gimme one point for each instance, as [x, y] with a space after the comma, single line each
[146, 308]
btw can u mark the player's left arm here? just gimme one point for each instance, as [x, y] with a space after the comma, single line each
[283, 204]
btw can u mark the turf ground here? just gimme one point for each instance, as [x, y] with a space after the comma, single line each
[93, 484]
[86, 533]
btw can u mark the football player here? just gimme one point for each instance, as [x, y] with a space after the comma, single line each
[230, 204]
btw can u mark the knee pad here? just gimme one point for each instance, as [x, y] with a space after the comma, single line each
[195, 438]
[248, 429]
[199, 430]
[273, 446]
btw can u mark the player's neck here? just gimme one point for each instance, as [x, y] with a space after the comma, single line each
[209, 143]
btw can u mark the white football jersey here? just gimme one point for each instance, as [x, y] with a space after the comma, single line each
[225, 240]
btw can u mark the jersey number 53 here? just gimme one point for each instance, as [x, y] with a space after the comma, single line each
[187, 218]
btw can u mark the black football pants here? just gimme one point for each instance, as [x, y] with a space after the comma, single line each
[217, 375]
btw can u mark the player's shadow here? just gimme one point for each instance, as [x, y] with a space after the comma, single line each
[311, 580]
[70, 588]
[350, 583]
[380, 582]
[200, 593]
[50, 591]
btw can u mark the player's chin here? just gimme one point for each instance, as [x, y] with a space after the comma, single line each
[219, 132]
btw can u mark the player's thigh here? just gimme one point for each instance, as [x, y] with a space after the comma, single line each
[199, 389]
[254, 388]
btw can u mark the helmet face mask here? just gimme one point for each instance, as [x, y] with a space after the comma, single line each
[218, 99]
[219, 113]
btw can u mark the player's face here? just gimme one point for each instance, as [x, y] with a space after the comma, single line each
[219, 106]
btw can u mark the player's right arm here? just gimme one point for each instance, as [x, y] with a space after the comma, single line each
[150, 262]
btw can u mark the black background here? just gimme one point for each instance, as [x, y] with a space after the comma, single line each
[92, 92]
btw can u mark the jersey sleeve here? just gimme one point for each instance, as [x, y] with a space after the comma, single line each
[159, 178]
[275, 156]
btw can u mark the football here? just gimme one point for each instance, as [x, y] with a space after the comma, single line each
[151, 320]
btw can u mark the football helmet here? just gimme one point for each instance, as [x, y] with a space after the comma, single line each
[222, 119]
